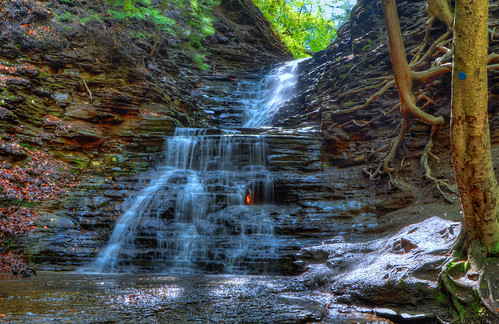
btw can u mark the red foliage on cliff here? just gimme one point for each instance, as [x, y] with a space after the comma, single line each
[35, 179]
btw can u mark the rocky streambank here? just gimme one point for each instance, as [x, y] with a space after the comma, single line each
[342, 91]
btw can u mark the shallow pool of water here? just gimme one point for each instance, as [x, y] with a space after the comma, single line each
[74, 297]
[53, 297]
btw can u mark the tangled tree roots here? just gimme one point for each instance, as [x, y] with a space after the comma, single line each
[405, 76]
[437, 55]
[470, 291]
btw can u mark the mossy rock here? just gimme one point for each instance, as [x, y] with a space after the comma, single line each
[78, 159]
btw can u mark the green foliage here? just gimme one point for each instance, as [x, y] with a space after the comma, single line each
[301, 24]
[441, 297]
[91, 16]
[200, 61]
[495, 250]
[197, 13]
[66, 17]
[199, 17]
[123, 12]
[345, 6]
[140, 35]
[367, 45]
[128, 10]
[195, 25]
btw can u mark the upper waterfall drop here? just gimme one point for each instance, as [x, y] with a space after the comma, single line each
[271, 93]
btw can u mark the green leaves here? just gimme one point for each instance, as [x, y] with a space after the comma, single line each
[164, 23]
[139, 10]
[197, 25]
[302, 24]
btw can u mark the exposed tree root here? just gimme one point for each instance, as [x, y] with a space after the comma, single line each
[483, 300]
[441, 321]
[492, 58]
[363, 124]
[492, 33]
[88, 90]
[429, 61]
[405, 75]
[368, 101]
[371, 87]
[417, 62]
[438, 183]
[467, 295]
[423, 76]
[469, 290]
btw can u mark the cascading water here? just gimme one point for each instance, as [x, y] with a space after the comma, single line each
[200, 213]
[271, 94]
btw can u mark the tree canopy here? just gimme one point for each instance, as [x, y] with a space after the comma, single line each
[302, 24]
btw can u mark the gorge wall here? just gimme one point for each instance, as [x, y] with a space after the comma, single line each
[66, 92]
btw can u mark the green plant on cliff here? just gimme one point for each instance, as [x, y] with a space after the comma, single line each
[197, 14]
[123, 12]
[66, 17]
[199, 24]
[301, 24]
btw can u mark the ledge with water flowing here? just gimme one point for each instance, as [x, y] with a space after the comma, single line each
[178, 223]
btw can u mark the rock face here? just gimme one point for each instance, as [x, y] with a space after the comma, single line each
[312, 203]
[355, 67]
[70, 91]
[398, 270]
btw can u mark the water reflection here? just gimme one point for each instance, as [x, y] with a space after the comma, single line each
[80, 298]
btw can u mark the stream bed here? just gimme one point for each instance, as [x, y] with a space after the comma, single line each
[58, 297]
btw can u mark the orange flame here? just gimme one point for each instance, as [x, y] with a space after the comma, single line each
[248, 198]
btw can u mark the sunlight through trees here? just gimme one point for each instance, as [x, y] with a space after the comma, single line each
[304, 25]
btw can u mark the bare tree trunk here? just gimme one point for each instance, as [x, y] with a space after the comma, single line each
[470, 138]
[158, 31]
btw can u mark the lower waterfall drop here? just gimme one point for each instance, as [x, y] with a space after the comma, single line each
[193, 216]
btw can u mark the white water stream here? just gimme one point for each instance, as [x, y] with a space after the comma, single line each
[271, 94]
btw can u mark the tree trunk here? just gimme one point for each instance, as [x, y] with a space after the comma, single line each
[471, 151]
[158, 30]
[442, 10]
[400, 66]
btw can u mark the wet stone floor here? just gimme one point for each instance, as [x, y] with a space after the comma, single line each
[85, 298]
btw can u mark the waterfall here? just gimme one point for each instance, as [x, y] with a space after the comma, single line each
[271, 93]
[202, 210]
